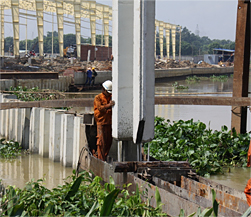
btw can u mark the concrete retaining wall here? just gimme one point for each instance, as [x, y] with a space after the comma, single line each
[48, 132]
[61, 84]
[80, 77]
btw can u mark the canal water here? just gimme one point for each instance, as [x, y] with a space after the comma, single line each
[21, 170]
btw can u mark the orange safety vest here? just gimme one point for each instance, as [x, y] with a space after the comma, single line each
[102, 116]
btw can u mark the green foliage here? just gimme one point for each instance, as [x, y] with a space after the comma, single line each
[194, 79]
[207, 151]
[177, 86]
[9, 149]
[222, 78]
[33, 94]
[82, 196]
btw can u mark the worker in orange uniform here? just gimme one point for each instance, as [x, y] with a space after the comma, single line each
[247, 190]
[103, 117]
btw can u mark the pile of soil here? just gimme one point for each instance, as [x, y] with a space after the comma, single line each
[169, 64]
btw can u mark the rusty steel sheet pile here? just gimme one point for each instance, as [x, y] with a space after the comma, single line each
[179, 185]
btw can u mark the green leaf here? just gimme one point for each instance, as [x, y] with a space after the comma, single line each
[17, 210]
[206, 212]
[108, 203]
[215, 204]
[182, 213]
[158, 198]
[74, 188]
[94, 207]
[48, 209]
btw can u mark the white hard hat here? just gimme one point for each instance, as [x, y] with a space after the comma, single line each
[108, 86]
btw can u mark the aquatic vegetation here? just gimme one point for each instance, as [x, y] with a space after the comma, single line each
[193, 79]
[9, 149]
[222, 78]
[177, 86]
[79, 196]
[206, 150]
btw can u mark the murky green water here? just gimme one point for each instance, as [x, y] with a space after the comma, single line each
[23, 169]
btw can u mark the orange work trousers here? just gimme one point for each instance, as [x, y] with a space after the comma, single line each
[104, 140]
[247, 191]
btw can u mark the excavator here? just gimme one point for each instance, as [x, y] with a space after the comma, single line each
[70, 51]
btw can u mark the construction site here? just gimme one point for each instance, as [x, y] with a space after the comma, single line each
[68, 136]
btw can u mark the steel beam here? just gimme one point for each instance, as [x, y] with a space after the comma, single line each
[168, 100]
[241, 65]
[15, 21]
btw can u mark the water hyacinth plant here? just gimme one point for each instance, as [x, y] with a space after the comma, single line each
[206, 150]
[9, 149]
[79, 196]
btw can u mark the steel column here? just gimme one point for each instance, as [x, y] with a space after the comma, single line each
[161, 24]
[173, 40]
[2, 30]
[92, 8]
[106, 25]
[60, 22]
[241, 65]
[77, 14]
[40, 25]
[167, 40]
[15, 21]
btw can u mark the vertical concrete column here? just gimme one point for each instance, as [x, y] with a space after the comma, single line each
[40, 25]
[26, 128]
[11, 123]
[133, 46]
[20, 114]
[173, 39]
[122, 65]
[44, 132]
[92, 8]
[60, 23]
[1, 116]
[2, 30]
[6, 122]
[34, 130]
[62, 135]
[76, 141]
[167, 40]
[55, 136]
[106, 25]
[161, 34]
[77, 14]
[68, 140]
[143, 68]
[15, 22]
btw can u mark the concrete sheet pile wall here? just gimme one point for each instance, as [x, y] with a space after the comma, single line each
[48, 132]
[61, 84]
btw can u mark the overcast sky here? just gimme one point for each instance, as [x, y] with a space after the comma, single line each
[215, 18]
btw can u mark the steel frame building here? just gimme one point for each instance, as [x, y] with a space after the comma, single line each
[78, 9]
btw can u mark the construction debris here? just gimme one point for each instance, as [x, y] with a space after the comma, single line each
[61, 64]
